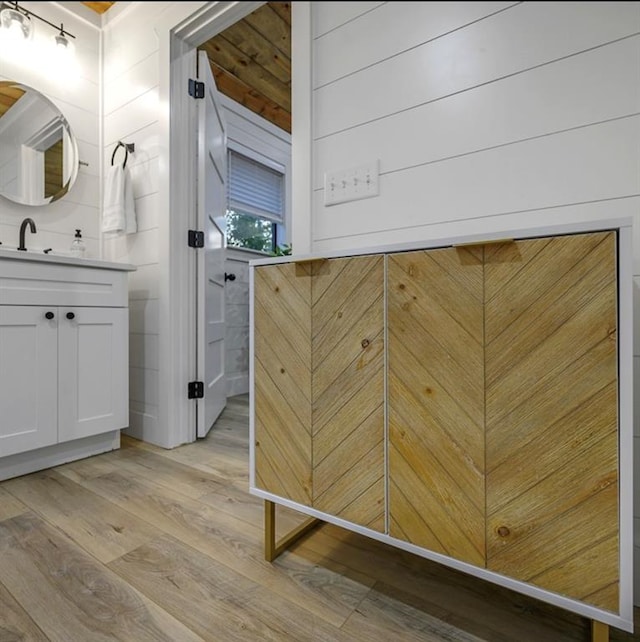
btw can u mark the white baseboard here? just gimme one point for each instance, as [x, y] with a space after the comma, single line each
[58, 454]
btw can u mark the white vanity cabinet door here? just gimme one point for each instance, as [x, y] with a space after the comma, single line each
[28, 378]
[92, 371]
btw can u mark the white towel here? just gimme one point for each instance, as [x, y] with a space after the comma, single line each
[118, 213]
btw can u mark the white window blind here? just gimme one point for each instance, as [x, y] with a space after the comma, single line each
[254, 188]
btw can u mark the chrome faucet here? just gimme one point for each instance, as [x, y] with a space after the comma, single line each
[23, 229]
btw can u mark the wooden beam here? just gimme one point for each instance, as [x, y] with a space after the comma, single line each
[227, 56]
[283, 9]
[269, 23]
[259, 49]
[251, 99]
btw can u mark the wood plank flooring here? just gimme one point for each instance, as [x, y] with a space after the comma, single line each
[148, 544]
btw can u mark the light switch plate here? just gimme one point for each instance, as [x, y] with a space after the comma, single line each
[351, 184]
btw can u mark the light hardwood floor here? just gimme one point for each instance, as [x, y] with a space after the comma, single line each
[148, 544]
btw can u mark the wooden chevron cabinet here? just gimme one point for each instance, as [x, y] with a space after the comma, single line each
[319, 385]
[436, 401]
[469, 402]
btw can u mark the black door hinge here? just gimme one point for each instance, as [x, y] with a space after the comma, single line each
[195, 390]
[196, 238]
[196, 88]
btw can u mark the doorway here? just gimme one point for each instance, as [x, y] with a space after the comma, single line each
[251, 64]
[183, 42]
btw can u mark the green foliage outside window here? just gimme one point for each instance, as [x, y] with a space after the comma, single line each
[282, 250]
[251, 232]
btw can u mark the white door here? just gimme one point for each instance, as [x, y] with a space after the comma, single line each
[93, 348]
[28, 378]
[211, 211]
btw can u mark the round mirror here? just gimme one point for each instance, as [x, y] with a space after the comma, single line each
[38, 152]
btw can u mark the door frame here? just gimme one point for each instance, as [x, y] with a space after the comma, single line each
[180, 30]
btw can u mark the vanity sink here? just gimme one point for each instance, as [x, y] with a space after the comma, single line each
[60, 258]
[64, 332]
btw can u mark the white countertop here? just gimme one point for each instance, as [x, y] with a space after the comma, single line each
[64, 259]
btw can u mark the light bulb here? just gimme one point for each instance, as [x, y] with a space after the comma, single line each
[64, 45]
[15, 25]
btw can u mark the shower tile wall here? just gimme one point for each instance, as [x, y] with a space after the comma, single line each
[237, 324]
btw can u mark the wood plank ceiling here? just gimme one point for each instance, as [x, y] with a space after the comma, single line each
[99, 7]
[9, 94]
[251, 60]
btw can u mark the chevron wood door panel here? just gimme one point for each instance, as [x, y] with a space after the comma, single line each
[551, 415]
[436, 401]
[348, 389]
[282, 392]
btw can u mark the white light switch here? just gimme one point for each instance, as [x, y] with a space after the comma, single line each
[351, 184]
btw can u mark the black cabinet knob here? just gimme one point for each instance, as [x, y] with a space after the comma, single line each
[229, 277]
[49, 315]
[71, 315]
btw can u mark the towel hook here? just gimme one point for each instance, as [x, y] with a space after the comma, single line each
[128, 147]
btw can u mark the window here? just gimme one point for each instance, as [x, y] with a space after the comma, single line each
[255, 204]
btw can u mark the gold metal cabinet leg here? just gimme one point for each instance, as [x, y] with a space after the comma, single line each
[269, 530]
[599, 631]
[272, 548]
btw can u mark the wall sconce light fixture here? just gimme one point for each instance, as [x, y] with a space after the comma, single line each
[16, 24]
[63, 44]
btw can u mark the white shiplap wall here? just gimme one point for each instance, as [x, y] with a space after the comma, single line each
[75, 90]
[474, 110]
[136, 110]
[483, 116]
[131, 114]
[131, 107]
